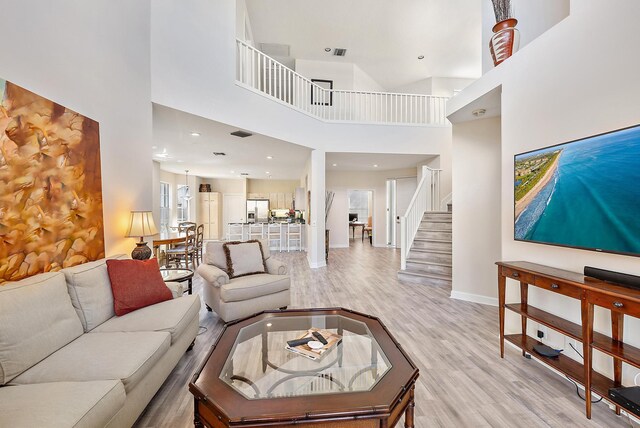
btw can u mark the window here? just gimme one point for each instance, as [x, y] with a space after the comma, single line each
[165, 208]
[183, 203]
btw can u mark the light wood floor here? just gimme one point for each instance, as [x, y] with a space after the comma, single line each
[463, 382]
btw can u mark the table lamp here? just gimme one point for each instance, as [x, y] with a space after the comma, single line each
[141, 224]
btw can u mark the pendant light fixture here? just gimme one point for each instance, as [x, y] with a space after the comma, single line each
[187, 196]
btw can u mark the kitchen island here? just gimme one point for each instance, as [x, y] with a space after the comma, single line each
[282, 236]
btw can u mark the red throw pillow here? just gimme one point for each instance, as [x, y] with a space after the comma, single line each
[136, 284]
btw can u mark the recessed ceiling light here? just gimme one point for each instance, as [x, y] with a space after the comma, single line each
[267, 172]
[232, 172]
[269, 157]
[335, 164]
[327, 49]
[161, 155]
[219, 154]
[420, 56]
[154, 147]
[195, 134]
[375, 166]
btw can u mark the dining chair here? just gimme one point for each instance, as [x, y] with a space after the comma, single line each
[199, 243]
[368, 228]
[185, 251]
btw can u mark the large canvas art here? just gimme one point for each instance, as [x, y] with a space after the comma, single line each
[50, 186]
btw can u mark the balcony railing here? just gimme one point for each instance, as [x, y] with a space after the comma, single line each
[264, 75]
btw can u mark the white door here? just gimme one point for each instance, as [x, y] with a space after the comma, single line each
[405, 188]
[234, 210]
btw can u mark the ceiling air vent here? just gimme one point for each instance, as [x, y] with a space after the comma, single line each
[241, 134]
[244, 173]
[339, 52]
[219, 154]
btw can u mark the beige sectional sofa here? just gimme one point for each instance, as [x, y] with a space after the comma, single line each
[66, 360]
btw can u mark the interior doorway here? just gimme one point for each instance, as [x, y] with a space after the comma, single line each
[400, 191]
[360, 214]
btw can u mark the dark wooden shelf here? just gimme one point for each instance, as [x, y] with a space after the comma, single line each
[623, 351]
[600, 384]
[561, 325]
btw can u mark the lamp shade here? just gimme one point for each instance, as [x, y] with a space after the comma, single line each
[141, 224]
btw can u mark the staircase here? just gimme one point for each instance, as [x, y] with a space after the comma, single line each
[429, 260]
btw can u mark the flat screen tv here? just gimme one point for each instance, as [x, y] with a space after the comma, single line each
[582, 194]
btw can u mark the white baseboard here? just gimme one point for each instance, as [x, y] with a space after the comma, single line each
[475, 298]
[339, 246]
[317, 265]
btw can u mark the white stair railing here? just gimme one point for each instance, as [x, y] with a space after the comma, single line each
[266, 76]
[426, 198]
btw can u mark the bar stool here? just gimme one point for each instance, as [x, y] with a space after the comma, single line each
[235, 232]
[294, 233]
[274, 234]
[256, 231]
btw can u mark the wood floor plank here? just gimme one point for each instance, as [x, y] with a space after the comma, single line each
[463, 382]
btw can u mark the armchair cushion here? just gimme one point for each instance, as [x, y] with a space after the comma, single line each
[253, 286]
[244, 258]
[276, 267]
[213, 275]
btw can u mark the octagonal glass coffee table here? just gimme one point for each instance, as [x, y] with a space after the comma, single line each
[250, 379]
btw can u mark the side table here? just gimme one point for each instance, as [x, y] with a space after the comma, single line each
[178, 275]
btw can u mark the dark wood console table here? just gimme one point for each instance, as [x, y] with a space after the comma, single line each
[591, 292]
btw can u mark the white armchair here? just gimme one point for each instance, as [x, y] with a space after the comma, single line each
[246, 295]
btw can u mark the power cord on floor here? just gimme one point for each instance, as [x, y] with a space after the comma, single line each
[575, 384]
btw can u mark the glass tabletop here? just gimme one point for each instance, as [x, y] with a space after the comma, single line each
[175, 274]
[260, 365]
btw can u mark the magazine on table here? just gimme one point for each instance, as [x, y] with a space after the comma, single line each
[307, 351]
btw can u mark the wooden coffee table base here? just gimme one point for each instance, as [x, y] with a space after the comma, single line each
[208, 416]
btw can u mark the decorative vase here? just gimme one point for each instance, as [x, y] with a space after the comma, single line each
[505, 41]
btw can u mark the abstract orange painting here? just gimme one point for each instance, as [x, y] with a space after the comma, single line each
[50, 186]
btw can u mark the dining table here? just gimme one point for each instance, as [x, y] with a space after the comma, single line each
[167, 238]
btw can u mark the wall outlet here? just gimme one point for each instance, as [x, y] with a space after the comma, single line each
[540, 334]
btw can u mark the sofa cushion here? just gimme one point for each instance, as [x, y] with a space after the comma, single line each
[172, 316]
[61, 404]
[136, 284]
[244, 258]
[249, 287]
[101, 356]
[36, 319]
[90, 291]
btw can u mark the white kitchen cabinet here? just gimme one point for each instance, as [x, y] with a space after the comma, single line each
[209, 214]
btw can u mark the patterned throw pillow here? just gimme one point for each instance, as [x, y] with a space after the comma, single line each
[244, 258]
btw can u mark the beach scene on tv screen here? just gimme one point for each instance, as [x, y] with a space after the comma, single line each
[583, 194]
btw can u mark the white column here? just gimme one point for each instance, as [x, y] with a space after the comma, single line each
[316, 226]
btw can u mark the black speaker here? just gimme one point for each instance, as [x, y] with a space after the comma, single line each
[624, 279]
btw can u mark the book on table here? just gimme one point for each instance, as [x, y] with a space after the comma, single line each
[306, 351]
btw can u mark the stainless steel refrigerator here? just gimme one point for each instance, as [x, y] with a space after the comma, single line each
[257, 210]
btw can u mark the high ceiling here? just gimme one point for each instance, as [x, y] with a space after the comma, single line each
[176, 149]
[383, 37]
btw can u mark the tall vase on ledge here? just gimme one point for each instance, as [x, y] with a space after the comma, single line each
[506, 38]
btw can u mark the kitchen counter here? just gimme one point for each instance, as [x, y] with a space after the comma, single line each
[279, 240]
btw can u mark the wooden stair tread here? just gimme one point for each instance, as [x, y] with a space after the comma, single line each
[426, 275]
[430, 250]
[424, 262]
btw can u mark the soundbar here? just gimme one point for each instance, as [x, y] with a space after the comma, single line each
[624, 279]
[628, 397]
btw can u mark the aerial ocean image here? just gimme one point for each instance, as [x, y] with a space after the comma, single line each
[582, 194]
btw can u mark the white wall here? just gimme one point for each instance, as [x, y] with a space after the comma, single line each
[343, 181]
[244, 30]
[558, 82]
[438, 86]
[476, 232]
[92, 57]
[364, 82]
[534, 18]
[341, 73]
